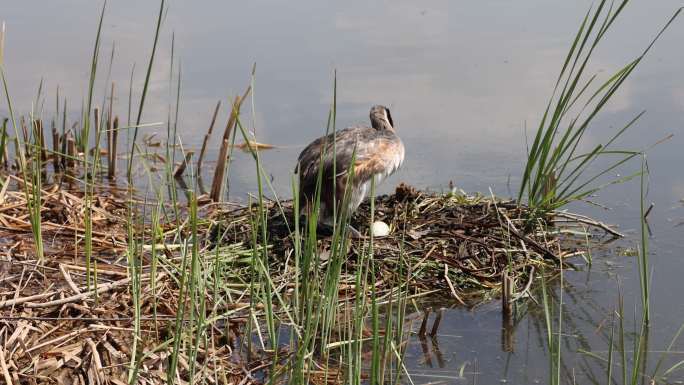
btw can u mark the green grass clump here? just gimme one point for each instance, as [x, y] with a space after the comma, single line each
[556, 171]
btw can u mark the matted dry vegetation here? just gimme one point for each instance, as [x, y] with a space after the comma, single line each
[55, 329]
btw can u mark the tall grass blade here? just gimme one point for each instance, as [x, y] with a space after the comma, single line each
[643, 261]
[31, 192]
[144, 90]
[89, 175]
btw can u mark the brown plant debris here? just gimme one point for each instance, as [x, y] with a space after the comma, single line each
[450, 244]
[63, 323]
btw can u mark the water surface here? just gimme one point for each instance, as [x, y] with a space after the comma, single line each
[463, 80]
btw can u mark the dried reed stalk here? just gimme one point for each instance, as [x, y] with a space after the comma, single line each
[423, 324]
[224, 152]
[437, 321]
[40, 135]
[215, 193]
[96, 118]
[71, 151]
[206, 137]
[507, 286]
[180, 169]
[112, 154]
[4, 158]
[25, 135]
[55, 147]
[110, 136]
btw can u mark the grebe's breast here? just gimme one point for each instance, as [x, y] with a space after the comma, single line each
[379, 154]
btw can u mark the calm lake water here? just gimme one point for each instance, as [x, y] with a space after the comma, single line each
[463, 81]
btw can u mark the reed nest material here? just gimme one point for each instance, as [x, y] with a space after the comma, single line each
[62, 217]
[56, 327]
[57, 337]
[452, 245]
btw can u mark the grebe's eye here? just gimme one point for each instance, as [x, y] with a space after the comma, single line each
[389, 117]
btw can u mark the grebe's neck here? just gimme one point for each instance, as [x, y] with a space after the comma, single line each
[381, 119]
[382, 125]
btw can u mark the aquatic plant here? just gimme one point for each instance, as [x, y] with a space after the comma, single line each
[556, 171]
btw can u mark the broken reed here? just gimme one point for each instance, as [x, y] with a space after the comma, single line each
[207, 136]
[112, 136]
[219, 183]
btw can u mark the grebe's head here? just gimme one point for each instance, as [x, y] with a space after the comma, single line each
[381, 119]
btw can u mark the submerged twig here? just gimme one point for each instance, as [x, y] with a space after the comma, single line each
[588, 221]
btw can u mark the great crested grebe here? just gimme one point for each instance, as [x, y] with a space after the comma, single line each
[377, 152]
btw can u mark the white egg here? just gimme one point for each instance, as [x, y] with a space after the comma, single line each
[380, 229]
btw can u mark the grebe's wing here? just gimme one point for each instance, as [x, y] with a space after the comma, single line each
[373, 153]
[322, 151]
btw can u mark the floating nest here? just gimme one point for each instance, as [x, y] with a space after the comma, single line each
[55, 327]
[454, 245]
